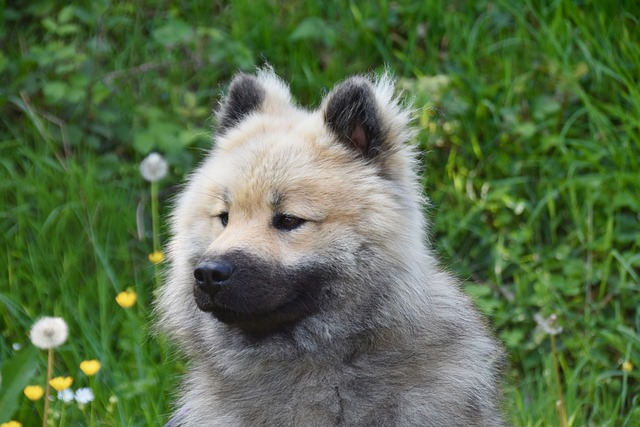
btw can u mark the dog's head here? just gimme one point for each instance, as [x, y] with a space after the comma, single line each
[294, 213]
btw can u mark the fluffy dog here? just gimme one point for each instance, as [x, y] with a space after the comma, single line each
[301, 286]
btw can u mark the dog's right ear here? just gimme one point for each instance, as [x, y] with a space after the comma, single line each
[248, 94]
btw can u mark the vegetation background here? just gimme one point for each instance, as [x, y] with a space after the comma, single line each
[529, 117]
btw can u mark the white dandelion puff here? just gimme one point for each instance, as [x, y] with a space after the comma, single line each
[66, 395]
[154, 167]
[84, 395]
[49, 332]
[548, 325]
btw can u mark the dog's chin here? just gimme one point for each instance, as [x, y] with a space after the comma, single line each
[258, 321]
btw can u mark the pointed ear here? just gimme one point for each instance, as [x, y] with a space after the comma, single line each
[351, 113]
[263, 92]
[244, 96]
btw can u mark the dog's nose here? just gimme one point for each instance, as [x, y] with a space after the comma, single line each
[212, 275]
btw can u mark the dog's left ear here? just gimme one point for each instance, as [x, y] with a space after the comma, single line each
[245, 95]
[351, 113]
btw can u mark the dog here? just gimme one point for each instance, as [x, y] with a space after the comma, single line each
[301, 286]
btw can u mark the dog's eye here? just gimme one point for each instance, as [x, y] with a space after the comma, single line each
[287, 222]
[224, 218]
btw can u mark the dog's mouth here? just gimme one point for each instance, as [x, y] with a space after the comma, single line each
[289, 312]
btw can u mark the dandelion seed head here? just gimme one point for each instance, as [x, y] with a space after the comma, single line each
[548, 325]
[66, 395]
[154, 167]
[49, 332]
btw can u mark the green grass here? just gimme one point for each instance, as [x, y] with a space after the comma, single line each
[531, 159]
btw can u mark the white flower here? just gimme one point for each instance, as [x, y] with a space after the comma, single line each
[84, 395]
[66, 395]
[154, 167]
[49, 332]
[16, 346]
[548, 325]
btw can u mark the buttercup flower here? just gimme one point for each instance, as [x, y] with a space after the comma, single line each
[61, 383]
[627, 366]
[66, 395]
[156, 257]
[11, 424]
[49, 332]
[154, 167]
[90, 367]
[33, 392]
[126, 299]
[84, 395]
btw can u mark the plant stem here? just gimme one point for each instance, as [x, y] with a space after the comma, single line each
[45, 415]
[91, 403]
[560, 405]
[155, 216]
[155, 220]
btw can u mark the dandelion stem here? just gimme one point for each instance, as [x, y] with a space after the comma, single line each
[155, 216]
[560, 405]
[155, 225]
[45, 415]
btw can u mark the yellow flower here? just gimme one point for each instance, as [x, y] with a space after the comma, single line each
[126, 299]
[627, 366]
[33, 392]
[90, 367]
[61, 383]
[156, 257]
[11, 424]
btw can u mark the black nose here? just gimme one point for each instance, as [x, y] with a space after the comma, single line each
[212, 275]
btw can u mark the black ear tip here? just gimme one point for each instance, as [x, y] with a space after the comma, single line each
[245, 95]
[242, 81]
[351, 113]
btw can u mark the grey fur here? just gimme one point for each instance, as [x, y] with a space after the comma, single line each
[390, 339]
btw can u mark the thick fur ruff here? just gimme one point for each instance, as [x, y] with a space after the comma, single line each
[301, 286]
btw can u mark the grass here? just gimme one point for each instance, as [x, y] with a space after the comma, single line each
[531, 144]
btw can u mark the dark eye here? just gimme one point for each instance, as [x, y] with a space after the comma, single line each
[224, 218]
[287, 222]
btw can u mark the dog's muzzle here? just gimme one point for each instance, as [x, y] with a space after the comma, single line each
[255, 294]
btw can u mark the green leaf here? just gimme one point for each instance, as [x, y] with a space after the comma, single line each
[16, 374]
[66, 14]
[314, 28]
[512, 338]
[545, 106]
[526, 129]
[55, 91]
[173, 32]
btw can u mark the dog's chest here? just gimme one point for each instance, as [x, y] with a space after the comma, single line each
[296, 396]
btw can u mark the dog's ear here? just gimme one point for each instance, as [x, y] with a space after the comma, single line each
[248, 94]
[351, 113]
[244, 96]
